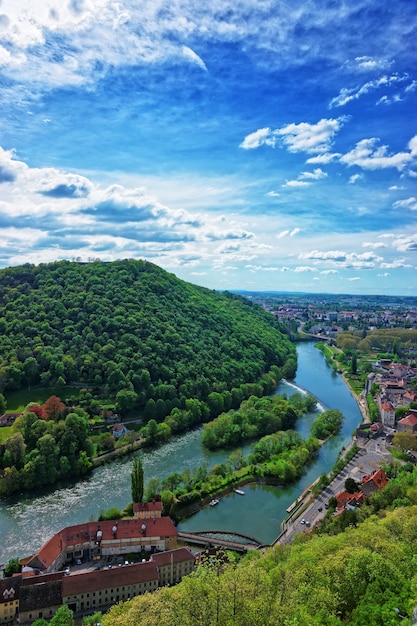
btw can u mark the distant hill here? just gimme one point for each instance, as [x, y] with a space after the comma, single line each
[129, 325]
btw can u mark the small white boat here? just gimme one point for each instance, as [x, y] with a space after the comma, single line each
[240, 492]
[214, 502]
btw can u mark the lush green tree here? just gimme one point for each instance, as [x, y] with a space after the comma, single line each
[137, 480]
[93, 620]
[3, 404]
[15, 448]
[63, 617]
[404, 441]
[351, 485]
[125, 400]
[13, 567]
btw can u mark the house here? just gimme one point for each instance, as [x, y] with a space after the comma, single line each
[387, 413]
[173, 565]
[7, 419]
[376, 481]
[408, 423]
[147, 510]
[9, 599]
[119, 430]
[346, 500]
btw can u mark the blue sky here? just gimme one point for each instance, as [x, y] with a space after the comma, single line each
[240, 144]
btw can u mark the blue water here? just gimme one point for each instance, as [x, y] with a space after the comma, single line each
[26, 522]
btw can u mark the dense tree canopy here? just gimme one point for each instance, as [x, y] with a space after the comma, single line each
[134, 329]
[42, 450]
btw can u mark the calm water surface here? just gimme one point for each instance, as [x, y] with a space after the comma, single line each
[26, 522]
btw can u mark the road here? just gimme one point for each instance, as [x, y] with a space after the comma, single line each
[370, 457]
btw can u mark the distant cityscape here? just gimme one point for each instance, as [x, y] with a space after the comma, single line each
[332, 313]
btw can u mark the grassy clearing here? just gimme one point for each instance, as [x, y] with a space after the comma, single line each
[18, 400]
[5, 433]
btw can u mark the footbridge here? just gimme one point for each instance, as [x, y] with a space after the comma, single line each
[220, 538]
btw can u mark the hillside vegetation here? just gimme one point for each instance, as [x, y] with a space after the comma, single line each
[130, 325]
[363, 575]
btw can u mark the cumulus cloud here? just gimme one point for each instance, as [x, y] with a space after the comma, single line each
[311, 138]
[69, 213]
[302, 137]
[261, 137]
[353, 179]
[408, 203]
[406, 243]
[370, 155]
[366, 260]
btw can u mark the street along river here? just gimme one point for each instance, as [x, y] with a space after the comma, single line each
[26, 521]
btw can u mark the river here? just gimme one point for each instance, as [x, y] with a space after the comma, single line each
[27, 521]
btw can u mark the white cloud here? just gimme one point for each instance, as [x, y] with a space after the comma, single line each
[406, 243]
[373, 246]
[367, 154]
[409, 203]
[261, 137]
[288, 233]
[329, 272]
[366, 260]
[310, 138]
[323, 159]
[316, 175]
[353, 179]
[346, 95]
[296, 183]
[304, 268]
[398, 263]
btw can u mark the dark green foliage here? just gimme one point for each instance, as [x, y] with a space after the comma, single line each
[135, 327]
[137, 480]
[351, 485]
[12, 567]
[328, 423]
[255, 418]
[42, 451]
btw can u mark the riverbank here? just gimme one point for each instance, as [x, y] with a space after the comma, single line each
[360, 400]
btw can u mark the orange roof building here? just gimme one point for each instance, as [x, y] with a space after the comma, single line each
[93, 540]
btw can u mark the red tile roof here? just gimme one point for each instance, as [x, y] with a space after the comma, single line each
[379, 478]
[108, 578]
[409, 420]
[82, 533]
[147, 507]
[177, 556]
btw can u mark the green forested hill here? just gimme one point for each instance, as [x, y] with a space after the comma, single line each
[129, 325]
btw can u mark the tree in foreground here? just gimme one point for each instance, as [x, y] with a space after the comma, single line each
[137, 480]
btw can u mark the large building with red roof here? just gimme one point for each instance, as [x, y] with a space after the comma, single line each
[94, 540]
[34, 594]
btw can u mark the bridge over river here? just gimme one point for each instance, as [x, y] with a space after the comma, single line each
[219, 538]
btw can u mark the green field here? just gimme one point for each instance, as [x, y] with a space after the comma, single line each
[18, 400]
